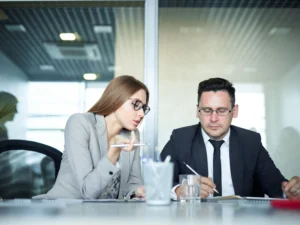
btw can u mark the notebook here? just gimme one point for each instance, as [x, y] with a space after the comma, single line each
[244, 199]
[222, 198]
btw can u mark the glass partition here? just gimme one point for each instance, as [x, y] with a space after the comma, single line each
[255, 45]
[45, 49]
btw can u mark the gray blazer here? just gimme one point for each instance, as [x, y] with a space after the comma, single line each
[85, 168]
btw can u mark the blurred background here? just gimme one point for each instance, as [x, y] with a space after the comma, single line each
[56, 58]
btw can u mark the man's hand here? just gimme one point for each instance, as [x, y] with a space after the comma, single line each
[206, 184]
[292, 188]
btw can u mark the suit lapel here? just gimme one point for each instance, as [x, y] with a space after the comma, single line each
[102, 135]
[236, 162]
[199, 156]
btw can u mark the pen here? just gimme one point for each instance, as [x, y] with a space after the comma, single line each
[196, 173]
[126, 145]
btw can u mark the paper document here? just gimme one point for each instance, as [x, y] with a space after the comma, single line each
[222, 198]
[228, 197]
[263, 198]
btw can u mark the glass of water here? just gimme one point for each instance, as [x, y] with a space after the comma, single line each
[190, 190]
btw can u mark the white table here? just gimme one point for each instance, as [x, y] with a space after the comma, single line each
[140, 213]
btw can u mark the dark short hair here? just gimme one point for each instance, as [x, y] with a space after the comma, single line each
[217, 84]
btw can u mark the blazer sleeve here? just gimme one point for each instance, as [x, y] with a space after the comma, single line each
[135, 177]
[91, 179]
[268, 174]
[171, 149]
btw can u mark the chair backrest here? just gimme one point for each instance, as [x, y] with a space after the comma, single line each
[27, 168]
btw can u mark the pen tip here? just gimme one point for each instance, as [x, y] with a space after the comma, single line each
[184, 163]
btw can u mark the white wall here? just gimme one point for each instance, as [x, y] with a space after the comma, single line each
[14, 81]
[284, 132]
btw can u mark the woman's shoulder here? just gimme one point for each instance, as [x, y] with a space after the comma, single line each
[80, 122]
[82, 118]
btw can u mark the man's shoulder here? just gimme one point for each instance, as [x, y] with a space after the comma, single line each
[244, 133]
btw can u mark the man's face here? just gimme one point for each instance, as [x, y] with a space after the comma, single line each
[214, 125]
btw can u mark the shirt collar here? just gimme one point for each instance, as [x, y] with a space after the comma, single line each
[206, 137]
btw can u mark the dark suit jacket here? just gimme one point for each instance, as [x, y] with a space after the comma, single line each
[253, 171]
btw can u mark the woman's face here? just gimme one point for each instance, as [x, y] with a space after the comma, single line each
[127, 116]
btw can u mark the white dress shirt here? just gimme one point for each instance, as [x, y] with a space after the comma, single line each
[227, 185]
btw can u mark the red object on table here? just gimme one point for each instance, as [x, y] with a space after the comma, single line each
[286, 204]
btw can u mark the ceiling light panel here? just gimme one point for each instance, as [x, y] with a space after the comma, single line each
[67, 36]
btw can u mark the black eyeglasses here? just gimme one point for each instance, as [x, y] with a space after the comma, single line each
[137, 105]
[219, 111]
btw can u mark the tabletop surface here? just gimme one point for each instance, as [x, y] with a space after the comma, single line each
[78, 212]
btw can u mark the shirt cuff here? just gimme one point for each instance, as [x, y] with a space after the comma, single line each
[173, 193]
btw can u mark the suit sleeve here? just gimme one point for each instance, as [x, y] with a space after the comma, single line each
[172, 150]
[135, 176]
[268, 174]
[92, 179]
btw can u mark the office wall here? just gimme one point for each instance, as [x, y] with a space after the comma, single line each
[14, 81]
[283, 122]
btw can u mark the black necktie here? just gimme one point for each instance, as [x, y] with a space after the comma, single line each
[217, 166]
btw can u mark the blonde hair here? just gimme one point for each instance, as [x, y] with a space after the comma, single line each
[8, 103]
[118, 91]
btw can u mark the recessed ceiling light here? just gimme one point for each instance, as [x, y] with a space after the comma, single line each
[68, 36]
[15, 27]
[280, 31]
[90, 76]
[47, 67]
[102, 29]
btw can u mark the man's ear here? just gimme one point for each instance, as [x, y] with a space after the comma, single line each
[236, 111]
[197, 111]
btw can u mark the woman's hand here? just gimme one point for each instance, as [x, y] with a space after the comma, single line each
[140, 192]
[114, 152]
[119, 139]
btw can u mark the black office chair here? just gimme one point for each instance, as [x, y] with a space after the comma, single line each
[27, 168]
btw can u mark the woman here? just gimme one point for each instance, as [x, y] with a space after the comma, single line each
[8, 109]
[90, 167]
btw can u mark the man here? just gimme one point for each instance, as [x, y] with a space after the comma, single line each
[228, 158]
